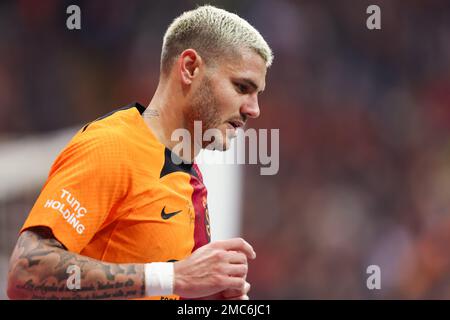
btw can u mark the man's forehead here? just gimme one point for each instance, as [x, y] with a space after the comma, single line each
[248, 66]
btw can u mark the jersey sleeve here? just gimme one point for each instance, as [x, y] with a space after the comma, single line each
[85, 184]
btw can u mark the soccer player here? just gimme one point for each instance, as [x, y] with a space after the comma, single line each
[122, 214]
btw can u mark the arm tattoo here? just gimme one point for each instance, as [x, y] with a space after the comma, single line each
[39, 265]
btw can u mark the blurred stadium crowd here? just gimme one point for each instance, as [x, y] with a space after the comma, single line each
[364, 119]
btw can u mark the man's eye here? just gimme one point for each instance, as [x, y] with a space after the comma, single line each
[241, 88]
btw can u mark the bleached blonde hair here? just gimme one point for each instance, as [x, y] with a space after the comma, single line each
[213, 33]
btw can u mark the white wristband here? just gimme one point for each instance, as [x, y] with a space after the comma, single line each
[158, 279]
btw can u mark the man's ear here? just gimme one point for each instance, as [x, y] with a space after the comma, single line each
[189, 62]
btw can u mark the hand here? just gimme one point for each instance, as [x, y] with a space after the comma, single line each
[213, 268]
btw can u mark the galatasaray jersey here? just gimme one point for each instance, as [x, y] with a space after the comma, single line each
[114, 194]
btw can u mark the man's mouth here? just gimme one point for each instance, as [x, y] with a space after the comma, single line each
[236, 124]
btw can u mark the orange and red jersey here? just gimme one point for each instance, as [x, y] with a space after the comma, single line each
[114, 194]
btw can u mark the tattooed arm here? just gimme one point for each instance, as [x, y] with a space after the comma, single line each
[39, 269]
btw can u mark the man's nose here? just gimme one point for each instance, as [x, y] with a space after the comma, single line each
[251, 107]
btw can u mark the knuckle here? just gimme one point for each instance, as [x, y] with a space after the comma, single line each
[242, 258]
[218, 280]
[240, 270]
[221, 255]
[214, 244]
[215, 255]
[220, 269]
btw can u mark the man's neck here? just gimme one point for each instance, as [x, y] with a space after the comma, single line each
[164, 116]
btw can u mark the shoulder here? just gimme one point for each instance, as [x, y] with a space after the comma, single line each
[100, 140]
[99, 148]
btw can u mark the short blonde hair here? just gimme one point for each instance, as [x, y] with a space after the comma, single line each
[213, 32]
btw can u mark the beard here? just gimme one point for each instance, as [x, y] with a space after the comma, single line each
[205, 108]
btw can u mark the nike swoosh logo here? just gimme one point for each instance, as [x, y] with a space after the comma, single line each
[169, 215]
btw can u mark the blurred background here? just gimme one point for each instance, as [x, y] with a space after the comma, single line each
[364, 119]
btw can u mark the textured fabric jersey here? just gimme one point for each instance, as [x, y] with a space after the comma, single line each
[114, 194]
